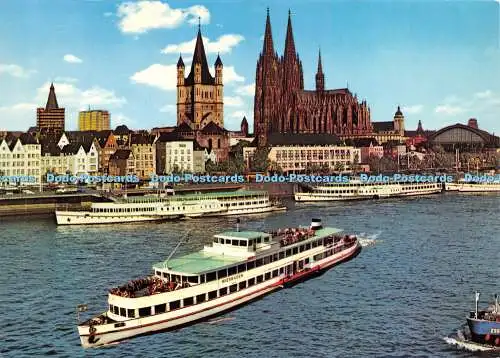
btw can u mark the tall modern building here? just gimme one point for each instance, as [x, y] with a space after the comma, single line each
[282, 105]
[51, 117]
[199, 95]
[93, 120]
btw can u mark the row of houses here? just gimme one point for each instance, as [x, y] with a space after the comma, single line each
[100, 153]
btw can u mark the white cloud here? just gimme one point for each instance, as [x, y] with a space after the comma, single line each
[72, 59]
[72, 97]
[449, 110]
[119, 119]
[22, 115]
[169, 108]
[246, 90]
[233, 101]
[164, 77]
[412, 109]
[229, 75]
[484, 94]
[142, 16]
[224, 44]
[160, 76]
[15, 70]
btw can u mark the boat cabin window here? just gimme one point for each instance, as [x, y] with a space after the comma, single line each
[188, 301]
[242, 268]
[250, 243]
[115, 310]
[212, 295]
[222, 273]
[259, 240]
[266, 239]
[175, 305]
[231, 270]
[161, 308]
[235, 242]
[145, 312]
[130, 313]
[211, 276]
[200, 298]
[110, 308]
[250, 265]
[223, 291]
[123, 312]
[243, 243]
[175, 278]
[192, 279]
[233, 288]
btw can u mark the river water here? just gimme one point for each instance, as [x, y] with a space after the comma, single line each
[399, 298]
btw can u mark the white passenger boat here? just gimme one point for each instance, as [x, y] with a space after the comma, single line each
[160, 207]
[358, 190]
[239, 266]
[472, 187]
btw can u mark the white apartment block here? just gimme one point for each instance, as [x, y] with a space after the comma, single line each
[20, 157]
[297, 158]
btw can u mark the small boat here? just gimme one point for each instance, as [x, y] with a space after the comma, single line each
[237, 268]
[484, 325]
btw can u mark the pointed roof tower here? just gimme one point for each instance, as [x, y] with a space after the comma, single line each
[218, 61]
[51, 100]
[180, 63]
[199, 57]
[289, 42]
[320, 66]
[268, 48]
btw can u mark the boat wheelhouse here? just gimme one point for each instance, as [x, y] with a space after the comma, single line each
[358, 190]
[237, 267]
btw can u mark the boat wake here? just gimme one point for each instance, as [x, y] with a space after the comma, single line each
[369, 240]
[468, 345]
[220, 320]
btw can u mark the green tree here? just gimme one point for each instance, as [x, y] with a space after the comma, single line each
[260, 161]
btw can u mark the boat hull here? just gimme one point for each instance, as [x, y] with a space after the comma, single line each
[484, 332]
[83, 218]
[311, 196]
[108, 333]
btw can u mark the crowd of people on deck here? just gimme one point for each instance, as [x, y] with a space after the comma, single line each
[293, 235]
[147, 286]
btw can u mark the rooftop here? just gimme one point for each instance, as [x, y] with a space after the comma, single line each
[198, 262]
[248, 235]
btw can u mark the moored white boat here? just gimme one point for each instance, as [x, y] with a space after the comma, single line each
[237, 268]
[357, 190]
[159, 207]
[470, 187]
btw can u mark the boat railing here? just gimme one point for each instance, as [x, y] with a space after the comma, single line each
[148, 286]
[291, 236]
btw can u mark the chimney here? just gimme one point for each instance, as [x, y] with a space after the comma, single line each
[316, 224]
[472, 123]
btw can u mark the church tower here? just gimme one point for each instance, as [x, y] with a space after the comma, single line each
[320, 77]
[267, 88]
[199, 95]
[399, 122]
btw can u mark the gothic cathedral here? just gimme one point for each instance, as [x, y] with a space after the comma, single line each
[282, 105]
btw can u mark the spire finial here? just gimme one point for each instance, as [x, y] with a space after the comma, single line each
[199, 23]
[268, 11]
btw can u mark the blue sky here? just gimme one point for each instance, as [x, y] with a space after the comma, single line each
[439, 60]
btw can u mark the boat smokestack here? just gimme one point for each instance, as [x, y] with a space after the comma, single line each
[316, 224]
